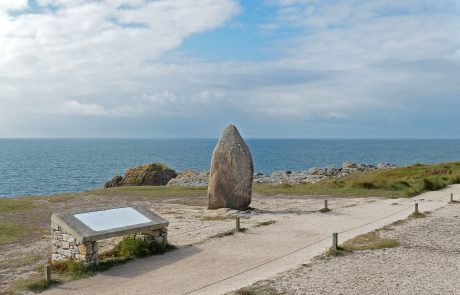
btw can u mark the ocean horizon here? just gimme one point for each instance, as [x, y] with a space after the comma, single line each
[49, 166]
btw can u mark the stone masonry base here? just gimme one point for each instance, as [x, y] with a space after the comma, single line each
[65, 246]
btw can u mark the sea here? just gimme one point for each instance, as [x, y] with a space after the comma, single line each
[49, 166]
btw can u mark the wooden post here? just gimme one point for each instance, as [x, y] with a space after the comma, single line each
[238, 228]
[451, 198]
[416, 208]
[335, 241]
[325, 205]
[47, 273]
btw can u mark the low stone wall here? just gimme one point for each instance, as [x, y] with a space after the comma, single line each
[66, 247]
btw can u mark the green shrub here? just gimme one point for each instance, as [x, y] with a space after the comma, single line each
[76, 269]
[364, 185]
[455, 180]
[433, 184]
[134, 247]
[399, 185]
[37, 286]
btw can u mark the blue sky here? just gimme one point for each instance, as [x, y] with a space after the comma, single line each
[275, 68]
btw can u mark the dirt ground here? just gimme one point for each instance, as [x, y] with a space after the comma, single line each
[201, 259]
[427, 262]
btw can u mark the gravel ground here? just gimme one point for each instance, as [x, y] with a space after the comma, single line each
[427, 262]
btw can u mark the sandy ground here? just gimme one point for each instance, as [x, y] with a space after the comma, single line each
[204, 265]
[427, 262]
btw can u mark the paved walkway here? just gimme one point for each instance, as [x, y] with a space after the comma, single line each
[225, 264]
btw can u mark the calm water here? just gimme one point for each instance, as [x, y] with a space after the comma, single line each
[46, 166]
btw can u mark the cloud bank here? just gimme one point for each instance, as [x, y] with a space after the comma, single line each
[351, 69]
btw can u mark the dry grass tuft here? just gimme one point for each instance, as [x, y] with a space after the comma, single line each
[265, 223]
[369, 241]
[216, 218]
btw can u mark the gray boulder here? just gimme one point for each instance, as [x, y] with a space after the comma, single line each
[114, 182]
[232, 170]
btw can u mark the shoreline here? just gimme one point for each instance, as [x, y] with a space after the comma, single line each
[199, 179]
[41, 169]
[25, 245]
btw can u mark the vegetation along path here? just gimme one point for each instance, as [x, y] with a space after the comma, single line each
[229, 262]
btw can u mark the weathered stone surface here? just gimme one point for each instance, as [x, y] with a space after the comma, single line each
[232, 170]
[114, 182]
[190, 178]
[151, 174]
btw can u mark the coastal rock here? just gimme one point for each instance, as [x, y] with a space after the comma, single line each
[152, 174]
[385, 166]
[114, 182]
[349, 165]
[232, 170]
[190, 178]
[316, 174]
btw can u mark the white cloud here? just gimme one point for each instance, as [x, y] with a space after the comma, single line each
[347, 60]
[74, 107]
[13, 4]
[83, 55]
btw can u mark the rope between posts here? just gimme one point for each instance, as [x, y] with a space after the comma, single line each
[298, 250]
[211, 225]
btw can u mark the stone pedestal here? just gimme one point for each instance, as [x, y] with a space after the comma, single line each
[65, 246]
[75, 234]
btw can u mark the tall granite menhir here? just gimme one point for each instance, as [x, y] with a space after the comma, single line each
[232, 170]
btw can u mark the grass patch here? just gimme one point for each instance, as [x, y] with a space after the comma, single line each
[418, 214]
[215, 218]
[393, 183]
[60, 198]
[37, 285]
[153, 191]
[10, 232]
[8, 205]
[325, 210]
[133, 247]
[259, 288]
[227, 233]
[335, 252]
[369, 241]
[265, 223]
[223, 234]
[72, 268]
[16, 262]
[266, 290]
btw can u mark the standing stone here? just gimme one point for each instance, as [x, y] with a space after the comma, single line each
[232, 170]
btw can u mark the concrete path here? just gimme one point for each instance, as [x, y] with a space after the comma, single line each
[225, 264]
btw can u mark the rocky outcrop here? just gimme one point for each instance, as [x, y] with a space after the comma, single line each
[114, 182]
[232, 169]
[315, 174]
[152, 174]
[311, 175]
[190, 178]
